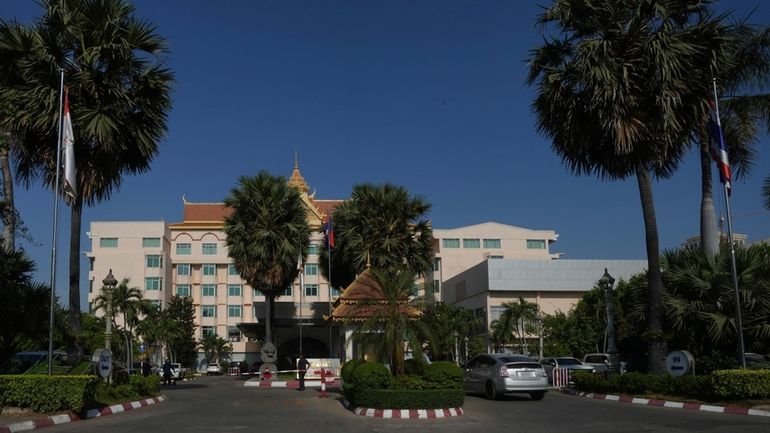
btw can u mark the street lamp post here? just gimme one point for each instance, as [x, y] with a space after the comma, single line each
[606, 282]
[109, 285]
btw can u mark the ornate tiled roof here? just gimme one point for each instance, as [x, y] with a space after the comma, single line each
[363, 299]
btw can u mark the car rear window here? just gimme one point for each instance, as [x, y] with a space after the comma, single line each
[531, 365]
[568, 361]
[508, 359]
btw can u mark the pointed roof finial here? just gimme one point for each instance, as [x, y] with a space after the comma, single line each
[296, 160]
[296, 180]
[368, 261]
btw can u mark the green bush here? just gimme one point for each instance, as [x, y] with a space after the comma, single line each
[146, 386]
[445, 374]
[413, 367]
[43, 393]
[741, 384]
[589, 382]
[371, 375]
[410, 381]
[410, 398]
[347, 369]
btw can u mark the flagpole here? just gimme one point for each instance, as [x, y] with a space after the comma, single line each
[55, 227]
[329, 248]
[734, 270]
[301, 292]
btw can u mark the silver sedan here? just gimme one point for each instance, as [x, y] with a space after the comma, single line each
[497, 374]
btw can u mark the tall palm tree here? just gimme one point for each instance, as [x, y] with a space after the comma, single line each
[517, 320]
[615, 98]
[383, 335]
[267, 232]
[215, 348]
[742, 77]
[382, 225]
[119, 94]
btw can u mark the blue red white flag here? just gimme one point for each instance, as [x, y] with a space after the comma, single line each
[68, 142]
[328, 231]
[718, 148]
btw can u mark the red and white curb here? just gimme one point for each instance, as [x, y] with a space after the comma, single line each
[737, 410]
[289, 384]
[65, 418]
[406, 413]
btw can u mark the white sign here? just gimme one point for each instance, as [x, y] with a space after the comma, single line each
[103, 360]
[679, 363]
[316, 364]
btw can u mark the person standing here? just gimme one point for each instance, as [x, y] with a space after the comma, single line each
[302, 366]
[146, 368]
[167, 372]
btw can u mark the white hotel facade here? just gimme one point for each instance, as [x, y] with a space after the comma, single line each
[479, 267]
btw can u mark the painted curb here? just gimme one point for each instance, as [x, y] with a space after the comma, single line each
[735, 410]
[406, 413]
[294, 384]
[92, 413]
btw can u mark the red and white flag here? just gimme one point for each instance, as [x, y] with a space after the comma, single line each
[68, 141]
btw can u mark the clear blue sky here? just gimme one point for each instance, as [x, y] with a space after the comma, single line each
[430, 95]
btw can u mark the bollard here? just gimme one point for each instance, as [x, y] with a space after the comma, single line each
[323, 384]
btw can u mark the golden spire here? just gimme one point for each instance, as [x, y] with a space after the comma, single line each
[296, 180]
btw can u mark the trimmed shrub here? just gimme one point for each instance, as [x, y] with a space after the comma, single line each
[347, 369]
[410, 381]
[445, 374]
[146, 386]
[371, 375]
[410, 398]
[413, 367]
[741, 384]
[43, 393]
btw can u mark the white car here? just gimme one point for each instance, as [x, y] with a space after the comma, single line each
[213, 369]
[176, 371]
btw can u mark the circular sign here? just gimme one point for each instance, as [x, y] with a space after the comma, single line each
[103, 360]
[142, 348]
[679, 363]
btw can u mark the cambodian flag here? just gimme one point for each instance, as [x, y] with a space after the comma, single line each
[328, 232]
[718, 148]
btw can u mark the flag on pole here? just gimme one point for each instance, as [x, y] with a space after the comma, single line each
[718, 148]
[68, 139]
[328, 231]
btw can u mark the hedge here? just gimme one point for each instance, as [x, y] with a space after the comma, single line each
[741, 384]
[371, 375]
[346, 372]
[444, 374]
[43, 393]
[409, 398]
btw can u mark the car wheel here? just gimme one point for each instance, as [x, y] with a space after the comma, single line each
[539, 395]
[490, 391]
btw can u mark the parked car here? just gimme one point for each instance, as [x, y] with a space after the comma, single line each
[601, 363]
[213, 369]
[497, 374]
[563, 362]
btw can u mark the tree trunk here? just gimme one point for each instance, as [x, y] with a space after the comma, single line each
[74, 268]
[656, 345]
[268, 322]
[7, 208]
[709, 238]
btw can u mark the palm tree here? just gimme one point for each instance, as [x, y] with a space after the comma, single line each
[383, 335]
[215, 348]
[445, 326]
[267, 233]
[615, 98]
[119, 95]
[382, 225]
[158, 329]
[741, 74]
[517, 319]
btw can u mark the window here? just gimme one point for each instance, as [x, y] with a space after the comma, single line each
[311, 269]
[153, 261]
[233, 290]
[209, 249]
[256, 292]
[231, 270]
[233, 334]
[183, 269]
[451, 243]
[415, 290]
[153, 283]
[311, 289]
[108, 242]
[150, 242]
[207, 330]
[491, 243]
[208, 289]
[183, 290]
[496, 311]
[184, 249]
[495, 257]
[535, 244]
[209, 269]
[233, 311]
[209, 310]
[436, 265]
[471, 243]
[286, 291]
[436, 286]
[313, 249]
[335, 291]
